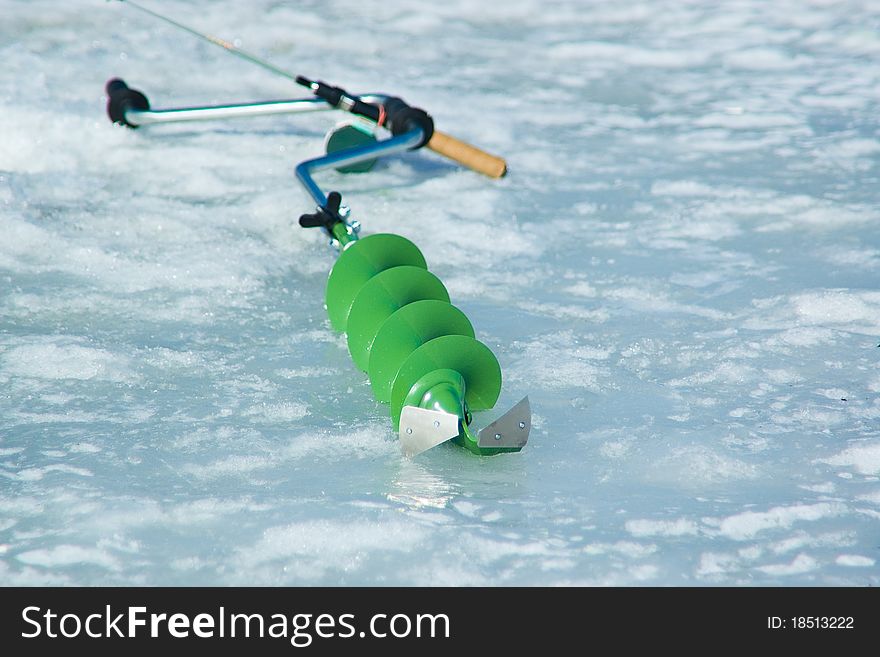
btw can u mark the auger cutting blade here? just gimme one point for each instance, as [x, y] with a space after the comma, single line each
[377, 300]
[358, 263]
[421, 429]
[511, 429]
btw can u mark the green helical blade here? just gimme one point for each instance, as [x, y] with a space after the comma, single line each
[467, 356]
[379, 297]
[358, 263]
[404, 332]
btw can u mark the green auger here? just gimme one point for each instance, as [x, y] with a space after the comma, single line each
[417, 348]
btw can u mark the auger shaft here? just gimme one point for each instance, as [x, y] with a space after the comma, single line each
[390, 146]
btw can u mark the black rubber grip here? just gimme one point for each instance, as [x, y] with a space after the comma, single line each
[404, 118]
[121, 98]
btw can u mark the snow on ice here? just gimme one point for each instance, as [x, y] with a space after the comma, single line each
[681, 270]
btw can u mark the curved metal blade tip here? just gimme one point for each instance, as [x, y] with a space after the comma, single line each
[421, 429]
[511, 429]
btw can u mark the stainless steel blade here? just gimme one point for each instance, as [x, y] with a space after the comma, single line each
[421, 429]
[511, 429]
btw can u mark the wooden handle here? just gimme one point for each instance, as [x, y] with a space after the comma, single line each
[470, 156]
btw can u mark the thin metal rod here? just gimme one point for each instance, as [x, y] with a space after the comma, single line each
[390, 146]
[174, 115]
[260, 108]
[229, 47]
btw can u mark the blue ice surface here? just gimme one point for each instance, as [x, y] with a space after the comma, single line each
[680, 270]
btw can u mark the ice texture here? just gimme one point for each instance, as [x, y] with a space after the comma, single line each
[682, 271]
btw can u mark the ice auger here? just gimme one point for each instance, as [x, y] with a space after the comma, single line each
[419, 350]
